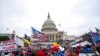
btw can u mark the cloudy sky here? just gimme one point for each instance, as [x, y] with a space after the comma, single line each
[75, 16]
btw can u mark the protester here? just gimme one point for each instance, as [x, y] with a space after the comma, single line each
[55, 50]
[69, 53]
[6, 54]
[98, 50]
[0, 53]
[58, 53]
[93, 47]
[19, 50]
[78, 50]
[40, 52]
[33, 53]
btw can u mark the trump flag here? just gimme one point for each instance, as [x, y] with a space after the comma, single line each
[96, 37]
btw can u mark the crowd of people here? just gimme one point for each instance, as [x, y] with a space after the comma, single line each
[29, 50]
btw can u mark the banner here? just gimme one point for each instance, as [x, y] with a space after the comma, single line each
[9, 45]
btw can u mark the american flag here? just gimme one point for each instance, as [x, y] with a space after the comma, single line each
[41, 36]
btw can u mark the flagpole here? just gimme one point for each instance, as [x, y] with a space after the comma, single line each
[61, 29]
[7, 30]
[92, 36]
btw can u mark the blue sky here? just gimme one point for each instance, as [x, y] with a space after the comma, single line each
[75, 16]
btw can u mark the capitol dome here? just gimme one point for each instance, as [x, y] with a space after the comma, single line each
[49, 25]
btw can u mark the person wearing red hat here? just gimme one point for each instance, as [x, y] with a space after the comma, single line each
[55, 48]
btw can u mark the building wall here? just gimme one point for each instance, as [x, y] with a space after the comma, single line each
[70, 37]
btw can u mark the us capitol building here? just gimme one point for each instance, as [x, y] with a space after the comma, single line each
[49, 28]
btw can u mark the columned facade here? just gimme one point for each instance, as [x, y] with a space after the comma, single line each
[53, 37]
[49, 28]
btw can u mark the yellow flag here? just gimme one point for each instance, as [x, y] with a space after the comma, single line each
[26, 41]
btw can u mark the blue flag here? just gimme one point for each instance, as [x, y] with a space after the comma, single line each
[27, 37]
[96, 37]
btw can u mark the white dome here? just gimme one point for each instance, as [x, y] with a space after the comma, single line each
[48, 25]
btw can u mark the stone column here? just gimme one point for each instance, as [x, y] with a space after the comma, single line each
[54, 37]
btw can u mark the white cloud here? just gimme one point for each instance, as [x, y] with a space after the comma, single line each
[20, 15]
